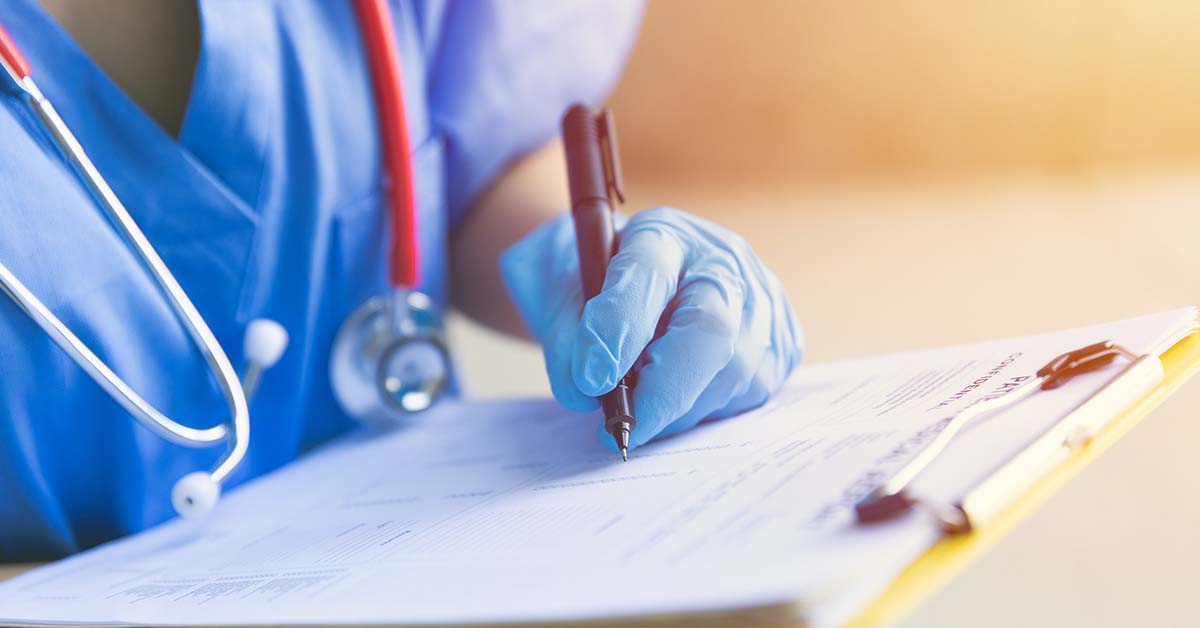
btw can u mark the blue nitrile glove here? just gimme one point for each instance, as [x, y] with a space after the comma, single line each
[687, 301]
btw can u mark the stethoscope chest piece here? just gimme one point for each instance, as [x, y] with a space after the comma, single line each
[389, 359]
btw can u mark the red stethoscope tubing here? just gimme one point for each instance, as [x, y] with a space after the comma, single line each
[12, 55]
[375, 22]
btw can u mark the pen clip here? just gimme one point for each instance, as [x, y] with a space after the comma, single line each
[606, 129]
[1090, 358]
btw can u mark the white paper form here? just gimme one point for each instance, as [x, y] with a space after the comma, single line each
[512, 511]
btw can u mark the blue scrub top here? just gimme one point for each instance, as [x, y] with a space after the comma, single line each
[269, 204]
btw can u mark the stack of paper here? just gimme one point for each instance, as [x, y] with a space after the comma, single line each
[513, 512]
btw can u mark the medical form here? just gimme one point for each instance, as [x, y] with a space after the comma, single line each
[464, 518]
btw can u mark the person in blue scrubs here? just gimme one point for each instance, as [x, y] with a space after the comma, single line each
[262, 190]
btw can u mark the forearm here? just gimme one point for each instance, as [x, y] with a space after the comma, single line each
[529, 192]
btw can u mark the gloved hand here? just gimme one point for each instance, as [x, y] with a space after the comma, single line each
[687, 301]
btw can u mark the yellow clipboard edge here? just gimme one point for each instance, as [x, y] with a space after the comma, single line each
[949, 556]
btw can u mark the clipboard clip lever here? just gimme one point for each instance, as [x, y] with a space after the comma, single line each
[892, 498]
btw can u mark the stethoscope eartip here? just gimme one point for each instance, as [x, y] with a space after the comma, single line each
[266, 341]
[195, 494]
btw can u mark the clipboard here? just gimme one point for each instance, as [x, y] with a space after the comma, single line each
[953, 553]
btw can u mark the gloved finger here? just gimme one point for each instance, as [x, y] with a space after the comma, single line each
[755, 390]
[734, 389]
[711, 401]
[557, 343]
[714, 398]
[699, 341]
[784, 340]
[748, 379]
[618, 323]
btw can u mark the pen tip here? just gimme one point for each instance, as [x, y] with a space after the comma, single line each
[621, 436]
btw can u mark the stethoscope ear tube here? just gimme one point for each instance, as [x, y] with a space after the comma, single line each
[129, 399]
[236, 431]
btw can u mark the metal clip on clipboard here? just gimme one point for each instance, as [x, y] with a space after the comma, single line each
[1013, 477]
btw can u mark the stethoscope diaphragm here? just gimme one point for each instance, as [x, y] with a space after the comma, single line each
[389, 359]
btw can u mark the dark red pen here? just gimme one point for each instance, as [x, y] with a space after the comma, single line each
[594, 175]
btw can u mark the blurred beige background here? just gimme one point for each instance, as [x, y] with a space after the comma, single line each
[932, 172]
[772, 90]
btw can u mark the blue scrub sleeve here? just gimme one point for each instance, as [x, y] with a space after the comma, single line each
[504, 72]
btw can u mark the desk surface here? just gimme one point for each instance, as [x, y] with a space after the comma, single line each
[881, 269]
[8, 571]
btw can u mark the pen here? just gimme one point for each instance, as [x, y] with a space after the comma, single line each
[594, 176]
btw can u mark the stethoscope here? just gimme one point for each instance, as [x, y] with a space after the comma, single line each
[389, 358]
